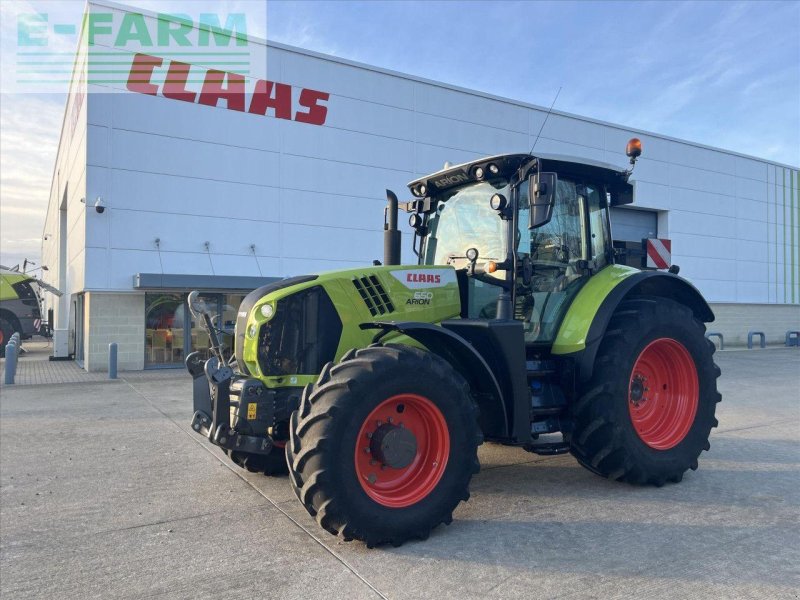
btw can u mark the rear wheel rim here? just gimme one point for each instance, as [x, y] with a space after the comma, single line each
[422, 421]
[663, 393]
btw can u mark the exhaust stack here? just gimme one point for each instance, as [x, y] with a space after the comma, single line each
[391, 235]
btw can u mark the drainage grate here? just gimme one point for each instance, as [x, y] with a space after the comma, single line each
[374, 295]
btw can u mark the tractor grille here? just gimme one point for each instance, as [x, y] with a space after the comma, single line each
[374, 295]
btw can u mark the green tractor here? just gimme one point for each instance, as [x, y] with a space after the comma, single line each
[373, 387]
[20, 306]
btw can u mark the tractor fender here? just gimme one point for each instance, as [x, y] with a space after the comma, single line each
[463, 357]
[650, 283]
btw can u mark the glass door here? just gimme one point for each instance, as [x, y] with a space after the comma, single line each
[165, 315]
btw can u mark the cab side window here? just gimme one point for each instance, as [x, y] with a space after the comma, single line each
[598, 225]
[562, 242]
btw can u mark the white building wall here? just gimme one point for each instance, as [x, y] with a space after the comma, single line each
[64, 231]
[309, 198]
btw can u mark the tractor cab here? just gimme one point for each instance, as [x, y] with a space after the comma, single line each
[531, 257]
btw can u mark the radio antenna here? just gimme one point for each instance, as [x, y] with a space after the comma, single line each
[547, 116]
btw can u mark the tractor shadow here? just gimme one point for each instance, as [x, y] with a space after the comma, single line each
[553, 515]
[534, 544]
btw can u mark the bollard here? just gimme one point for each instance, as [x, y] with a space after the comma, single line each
[762, 338]
[112, 360]
[793, 341]
[711, 334]
[11, 362]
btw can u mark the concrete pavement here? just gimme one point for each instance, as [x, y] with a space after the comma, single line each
[106, 493]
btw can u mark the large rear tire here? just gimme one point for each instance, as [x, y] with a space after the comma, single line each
[383, 446]
[647, 412]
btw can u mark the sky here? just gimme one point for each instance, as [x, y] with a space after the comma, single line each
[724, 74]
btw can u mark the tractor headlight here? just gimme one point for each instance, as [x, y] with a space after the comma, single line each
[498, 202]
[267, 310]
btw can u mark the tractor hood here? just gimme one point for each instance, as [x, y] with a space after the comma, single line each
[290, 328]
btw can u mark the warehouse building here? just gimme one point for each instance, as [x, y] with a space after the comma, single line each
[181, 174]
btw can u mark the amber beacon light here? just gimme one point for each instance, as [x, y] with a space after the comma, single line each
[634, 149]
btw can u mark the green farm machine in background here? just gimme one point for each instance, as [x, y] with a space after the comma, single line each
[375, 386]
[20, 306]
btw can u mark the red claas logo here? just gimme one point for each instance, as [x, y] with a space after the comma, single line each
[430, 278]
[423, 278]
[230, 89]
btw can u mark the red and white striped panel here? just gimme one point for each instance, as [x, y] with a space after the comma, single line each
[659, 253]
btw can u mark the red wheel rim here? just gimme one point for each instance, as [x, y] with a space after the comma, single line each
[398, 487]
[663, 394]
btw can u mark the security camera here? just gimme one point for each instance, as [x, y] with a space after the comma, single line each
[100, 206]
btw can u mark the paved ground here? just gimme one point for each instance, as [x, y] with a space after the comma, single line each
[35, 367]
[104, 493]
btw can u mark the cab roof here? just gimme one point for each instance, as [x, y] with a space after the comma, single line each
[614, 178]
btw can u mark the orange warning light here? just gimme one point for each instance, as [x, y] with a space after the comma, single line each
[634, 148]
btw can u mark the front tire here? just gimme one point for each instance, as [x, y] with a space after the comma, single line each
[648, 410]
[383, 446]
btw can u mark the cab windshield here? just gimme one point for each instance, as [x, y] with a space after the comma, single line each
[463, 219]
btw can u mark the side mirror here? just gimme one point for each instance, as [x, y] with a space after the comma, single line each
[542, 192]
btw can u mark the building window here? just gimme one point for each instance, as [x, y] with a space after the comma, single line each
[165, 316]
[172, 332]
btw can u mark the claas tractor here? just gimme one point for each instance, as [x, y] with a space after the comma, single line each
[373, 387]
[21, 306]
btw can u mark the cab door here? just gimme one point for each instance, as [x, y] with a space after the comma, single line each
[562, 254]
